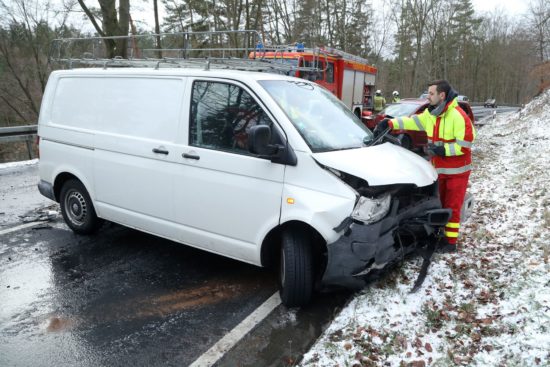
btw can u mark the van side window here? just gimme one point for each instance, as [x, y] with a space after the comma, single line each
[221, 115]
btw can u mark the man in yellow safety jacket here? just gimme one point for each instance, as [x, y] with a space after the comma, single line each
[379, 101]
[450, 137]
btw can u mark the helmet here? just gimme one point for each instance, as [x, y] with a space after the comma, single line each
[395, 93]
[378, 91]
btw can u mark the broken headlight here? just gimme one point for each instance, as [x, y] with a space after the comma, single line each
[370, 210]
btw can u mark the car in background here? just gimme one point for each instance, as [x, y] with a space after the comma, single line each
[410, 139]
[491, 102]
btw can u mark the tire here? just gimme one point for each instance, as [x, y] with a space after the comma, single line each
[295, 269]
[77, 208]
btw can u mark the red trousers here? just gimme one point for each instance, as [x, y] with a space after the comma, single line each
[452, 189]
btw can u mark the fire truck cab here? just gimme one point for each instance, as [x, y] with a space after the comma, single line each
[348, 77]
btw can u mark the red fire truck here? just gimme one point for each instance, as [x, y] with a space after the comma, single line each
[347, 76]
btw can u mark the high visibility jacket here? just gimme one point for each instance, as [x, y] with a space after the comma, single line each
[451, 129]
[395, 99]
[379, 103]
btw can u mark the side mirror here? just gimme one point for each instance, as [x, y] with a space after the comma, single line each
[259, 137]
[258, 140]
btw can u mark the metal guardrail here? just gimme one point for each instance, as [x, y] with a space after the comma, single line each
[25, 133]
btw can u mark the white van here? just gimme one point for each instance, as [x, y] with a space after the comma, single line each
[267, 169]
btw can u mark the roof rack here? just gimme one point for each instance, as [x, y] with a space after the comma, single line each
[236, 49]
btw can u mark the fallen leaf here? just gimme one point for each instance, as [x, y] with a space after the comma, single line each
[418, 363]
[428, 347]
[476, 337]
[347, 346]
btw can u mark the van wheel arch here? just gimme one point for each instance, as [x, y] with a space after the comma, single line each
[60, 180]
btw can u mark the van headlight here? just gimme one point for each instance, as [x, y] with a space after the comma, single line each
[370, 210]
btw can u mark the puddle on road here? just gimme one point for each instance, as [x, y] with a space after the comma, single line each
[286, 334]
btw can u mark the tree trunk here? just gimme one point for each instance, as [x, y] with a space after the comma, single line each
[157, 27]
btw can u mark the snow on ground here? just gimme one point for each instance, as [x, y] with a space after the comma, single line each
[488, 305]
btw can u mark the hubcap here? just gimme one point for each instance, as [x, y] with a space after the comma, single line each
[76, 207]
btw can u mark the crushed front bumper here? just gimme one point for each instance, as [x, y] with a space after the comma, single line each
[366, 247]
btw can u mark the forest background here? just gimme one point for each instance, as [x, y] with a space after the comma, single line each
[489, 55]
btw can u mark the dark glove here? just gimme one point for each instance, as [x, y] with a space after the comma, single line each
[436, 150]
[382, 126]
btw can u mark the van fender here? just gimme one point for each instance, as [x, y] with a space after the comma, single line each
[76, 173]
[320, 210]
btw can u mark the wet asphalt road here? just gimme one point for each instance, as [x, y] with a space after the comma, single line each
[120, 298]
[484, 115]
[123, 297]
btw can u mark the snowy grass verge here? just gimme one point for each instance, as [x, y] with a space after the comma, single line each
[488, 305]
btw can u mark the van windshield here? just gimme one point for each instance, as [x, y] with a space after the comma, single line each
[324, 122]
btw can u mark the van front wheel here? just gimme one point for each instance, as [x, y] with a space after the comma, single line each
[77, 208]
[296, 269]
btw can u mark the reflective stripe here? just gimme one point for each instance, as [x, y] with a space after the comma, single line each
[451, 234]
[464, 143]
[453, 225]
[418, 124]
[452, 149]
[430, 140]
[439, 143]
[454, 171]
[401, 124]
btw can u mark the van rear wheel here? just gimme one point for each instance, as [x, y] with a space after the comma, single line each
[296, 269]
[77, 208]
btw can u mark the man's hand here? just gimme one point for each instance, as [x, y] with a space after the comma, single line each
[382, 126]
[436, 150]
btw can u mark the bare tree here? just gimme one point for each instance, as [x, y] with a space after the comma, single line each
[26, 31]
[111, 24]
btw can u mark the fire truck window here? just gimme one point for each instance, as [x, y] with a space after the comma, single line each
[221, 116]
[329, 73]
[312, 75]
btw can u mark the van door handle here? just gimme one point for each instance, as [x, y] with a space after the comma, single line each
[190, 156]
[160, 151]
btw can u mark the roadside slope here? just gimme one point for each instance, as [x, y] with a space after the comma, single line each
[488, 305]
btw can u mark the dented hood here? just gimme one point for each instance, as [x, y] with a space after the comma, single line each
[383, 164]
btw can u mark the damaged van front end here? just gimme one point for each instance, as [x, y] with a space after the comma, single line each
[413, 218]
[396, 215]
